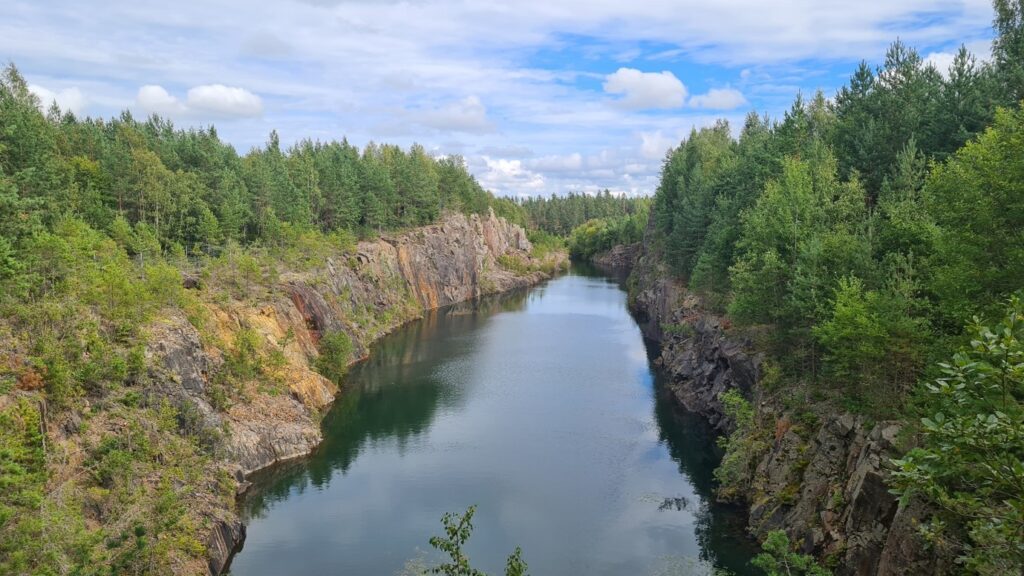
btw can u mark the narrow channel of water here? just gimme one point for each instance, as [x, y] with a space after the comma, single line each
[540, 407]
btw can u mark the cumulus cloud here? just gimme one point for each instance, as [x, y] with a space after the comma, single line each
[69, 99]
[509, 177]
[718, 99]
[942, 61]
[645, 90]
[155, 99]
[224, 100]
[466, 115]
[653, 145]
[216, 100]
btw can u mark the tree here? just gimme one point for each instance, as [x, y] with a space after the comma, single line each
[458, 529]
[1008, 49]
[799, 238]
[970, 463]
[976, 200]
[778, 559]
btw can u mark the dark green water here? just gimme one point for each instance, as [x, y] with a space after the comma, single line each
[542, 409]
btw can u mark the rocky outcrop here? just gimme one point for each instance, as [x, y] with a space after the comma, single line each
[225, 540]
[702, 358]
[366, 294]
[620, 260]
[823, 480]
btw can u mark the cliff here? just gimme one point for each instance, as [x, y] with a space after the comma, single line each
[821, 478]
[362, 294]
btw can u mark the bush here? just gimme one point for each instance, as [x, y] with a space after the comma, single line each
[335, 354]
[742, 447]
[970, 464]
[777, 559]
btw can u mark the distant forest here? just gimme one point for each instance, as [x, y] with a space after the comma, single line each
[188, 189]
[590, 223]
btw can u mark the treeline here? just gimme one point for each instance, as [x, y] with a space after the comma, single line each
[863, 230]
[558, 215]
[188, 189]
[855, 238]
[601, 234]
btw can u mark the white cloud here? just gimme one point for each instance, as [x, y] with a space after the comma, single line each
[653, 145]
[224, 100]
[558, 163]
[154, 99]
[981, 50]
[213, 100]
[718, 99]
[466, 115]
[942, 61]
[510, 177]
[69, 99]
[642, 90]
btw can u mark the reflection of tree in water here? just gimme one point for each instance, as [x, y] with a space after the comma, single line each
[394, 394]
[691, 442]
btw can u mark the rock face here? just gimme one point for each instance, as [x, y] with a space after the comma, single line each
[620, 260]
[703, 360]
[386, 283]
[225, 539]
[823, 483]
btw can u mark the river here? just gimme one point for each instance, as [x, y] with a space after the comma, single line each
[540, 407]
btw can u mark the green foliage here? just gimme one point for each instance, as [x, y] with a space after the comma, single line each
[800, 236]
[22, 483]
[970, 463]
[154, 187]
[977, 201]
[458, 528]
[742, 447]
[778, 558]
[853, 233]
[874, 344]
[559, 215]
[599, 235]
[335, 355]
[1008, 50]
[244, 361]
[544, 243]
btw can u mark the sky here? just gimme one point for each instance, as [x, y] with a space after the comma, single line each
[539, 96]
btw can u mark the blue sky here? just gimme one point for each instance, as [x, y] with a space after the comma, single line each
[539, 96]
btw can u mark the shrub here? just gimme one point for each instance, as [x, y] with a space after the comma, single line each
[335, 354]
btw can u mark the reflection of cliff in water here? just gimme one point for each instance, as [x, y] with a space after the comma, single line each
[692, 443]
[392, 395]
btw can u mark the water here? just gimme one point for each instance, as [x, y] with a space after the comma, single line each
[541, 408]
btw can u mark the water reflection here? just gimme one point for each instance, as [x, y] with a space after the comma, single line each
[541, 408]
[388, 396]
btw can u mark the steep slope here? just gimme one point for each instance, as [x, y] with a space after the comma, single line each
[820, 477]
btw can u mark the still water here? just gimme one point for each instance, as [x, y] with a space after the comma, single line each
[540, 407]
